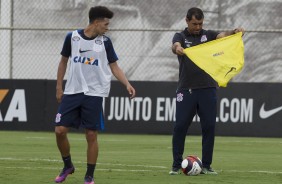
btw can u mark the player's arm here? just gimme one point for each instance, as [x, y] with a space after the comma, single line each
[118, 73]
[65, 53]
[228, 33]
[60, 77]
[177, 48]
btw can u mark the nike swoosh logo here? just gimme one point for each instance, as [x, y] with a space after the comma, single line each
[82, 51]
[266, 114]
[232, 68]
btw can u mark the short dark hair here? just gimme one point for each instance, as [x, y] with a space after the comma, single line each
[99, 12]
[197, 12]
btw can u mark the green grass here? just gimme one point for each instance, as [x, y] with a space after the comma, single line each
[32, 157]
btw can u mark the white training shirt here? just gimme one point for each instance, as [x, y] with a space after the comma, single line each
[89, 70]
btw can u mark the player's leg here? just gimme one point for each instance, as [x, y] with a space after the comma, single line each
[64, 148]
[207, 110]
[62, 140]
[92, 153]
[185, 111]
[92, 121]
[67, 116]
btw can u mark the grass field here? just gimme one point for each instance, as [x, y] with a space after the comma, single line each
[32, 157]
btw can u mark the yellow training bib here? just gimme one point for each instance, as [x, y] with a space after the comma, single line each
[222, 59]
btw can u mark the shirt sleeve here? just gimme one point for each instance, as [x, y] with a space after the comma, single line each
[111, 54]
[66, 50]
[177, 38]
[213, 34]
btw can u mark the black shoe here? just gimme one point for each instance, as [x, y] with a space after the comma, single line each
[175, 171]
[208, 171]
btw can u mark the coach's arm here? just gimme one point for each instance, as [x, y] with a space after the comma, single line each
[228, 33]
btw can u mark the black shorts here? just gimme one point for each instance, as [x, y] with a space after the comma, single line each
[79, 110]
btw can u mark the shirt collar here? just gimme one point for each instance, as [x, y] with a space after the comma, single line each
[186, 32]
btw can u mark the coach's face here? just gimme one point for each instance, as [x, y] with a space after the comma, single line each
[194, 25]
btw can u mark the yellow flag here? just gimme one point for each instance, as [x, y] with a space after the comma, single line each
[222, 59]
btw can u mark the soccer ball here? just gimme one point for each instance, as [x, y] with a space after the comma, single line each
[191, 165]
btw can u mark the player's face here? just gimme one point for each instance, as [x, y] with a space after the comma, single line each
[194, 25]
[102, 26]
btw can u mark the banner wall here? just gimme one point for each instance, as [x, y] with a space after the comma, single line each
[244, 109]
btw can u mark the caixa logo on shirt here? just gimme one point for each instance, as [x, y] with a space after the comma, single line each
[13, 105]
[86, 60]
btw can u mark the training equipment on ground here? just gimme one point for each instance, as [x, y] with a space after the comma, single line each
[191, 165]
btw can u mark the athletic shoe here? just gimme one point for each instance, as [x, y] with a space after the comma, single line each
[89, 180]
[63, 175]
[208, 171]
[174, 171]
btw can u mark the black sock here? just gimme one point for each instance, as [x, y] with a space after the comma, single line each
[90, 170]
[67, 161]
